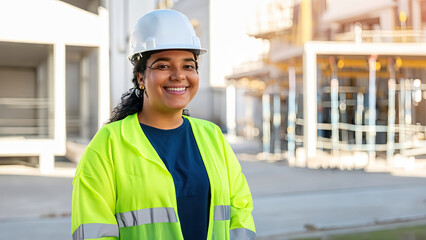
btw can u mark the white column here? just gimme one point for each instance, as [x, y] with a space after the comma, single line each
[372, 109]
[248, 114]
[51, 91]
[266, 106]
[358, 120]
[59, 95]
[343, 116]
[309, 102]
[104, 102]
[277, 123]
[84, 99]
[42, 93]
[334, 99]
[291, 128]
[408, 113]
[46, 158]
[231, 107]
[334, 93]
[391, 114]
[401, 116]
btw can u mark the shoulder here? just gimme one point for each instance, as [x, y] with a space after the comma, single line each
[110, 129]
[202, 124]
[204, 129]
[96, 154]
[107, 132]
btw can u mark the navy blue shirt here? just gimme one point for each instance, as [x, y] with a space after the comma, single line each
[179, 152]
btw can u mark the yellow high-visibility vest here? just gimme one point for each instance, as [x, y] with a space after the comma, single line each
[123, 190]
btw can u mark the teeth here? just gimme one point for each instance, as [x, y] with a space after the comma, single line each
[176, 89]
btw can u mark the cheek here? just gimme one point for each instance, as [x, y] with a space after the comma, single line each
[196, 82]
[151, 81]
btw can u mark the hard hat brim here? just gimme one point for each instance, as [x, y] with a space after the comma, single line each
[200, 51]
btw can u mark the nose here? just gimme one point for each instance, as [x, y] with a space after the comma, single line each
[178, 74]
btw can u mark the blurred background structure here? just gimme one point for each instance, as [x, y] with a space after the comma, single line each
[64, 67]
[342, 84]
[54, 76]
[321, 83]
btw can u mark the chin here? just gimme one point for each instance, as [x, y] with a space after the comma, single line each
[177, 106]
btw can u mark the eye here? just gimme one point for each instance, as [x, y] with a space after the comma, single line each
[159, 66]
[162, 67]
[189, 67]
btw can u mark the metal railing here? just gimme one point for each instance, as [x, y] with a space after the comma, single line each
[35, 122]
[411, 147]
[395, 36]
[250, 65]
[272, 17]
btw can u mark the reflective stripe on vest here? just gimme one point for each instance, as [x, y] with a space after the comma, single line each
[95, 230]
[222, 212]
[145, 216]
[242, 234]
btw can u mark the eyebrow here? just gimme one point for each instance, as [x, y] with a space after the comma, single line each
[168, 59]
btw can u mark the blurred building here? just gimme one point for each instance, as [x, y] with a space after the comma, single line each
[54, 76]
[222, 31]
[342, 84]
[64, 67]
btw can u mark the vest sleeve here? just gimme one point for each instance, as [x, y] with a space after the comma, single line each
[242, 224]
[93, 199]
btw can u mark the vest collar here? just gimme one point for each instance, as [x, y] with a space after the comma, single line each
[133, 135]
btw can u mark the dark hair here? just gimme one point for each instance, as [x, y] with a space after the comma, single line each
[132, 100]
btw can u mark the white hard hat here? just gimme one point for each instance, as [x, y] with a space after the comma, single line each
[161, 30]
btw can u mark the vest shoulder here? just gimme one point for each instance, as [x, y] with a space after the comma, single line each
[202, 123]
[113, 125]
[109, 130]
[202, 126]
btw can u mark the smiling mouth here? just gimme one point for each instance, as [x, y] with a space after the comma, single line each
[176, 89]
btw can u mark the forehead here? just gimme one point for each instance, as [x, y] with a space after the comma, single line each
[172, 55]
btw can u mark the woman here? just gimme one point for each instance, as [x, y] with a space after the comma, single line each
[152, 173]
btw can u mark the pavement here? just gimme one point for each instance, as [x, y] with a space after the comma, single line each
[289, 202]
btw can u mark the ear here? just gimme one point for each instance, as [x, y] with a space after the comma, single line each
[140, 79]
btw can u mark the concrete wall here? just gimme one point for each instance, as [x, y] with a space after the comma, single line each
[44, 90]
[72, 101]
[93, 75]
[17, 82]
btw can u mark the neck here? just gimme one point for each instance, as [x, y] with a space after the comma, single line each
[160, 120]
